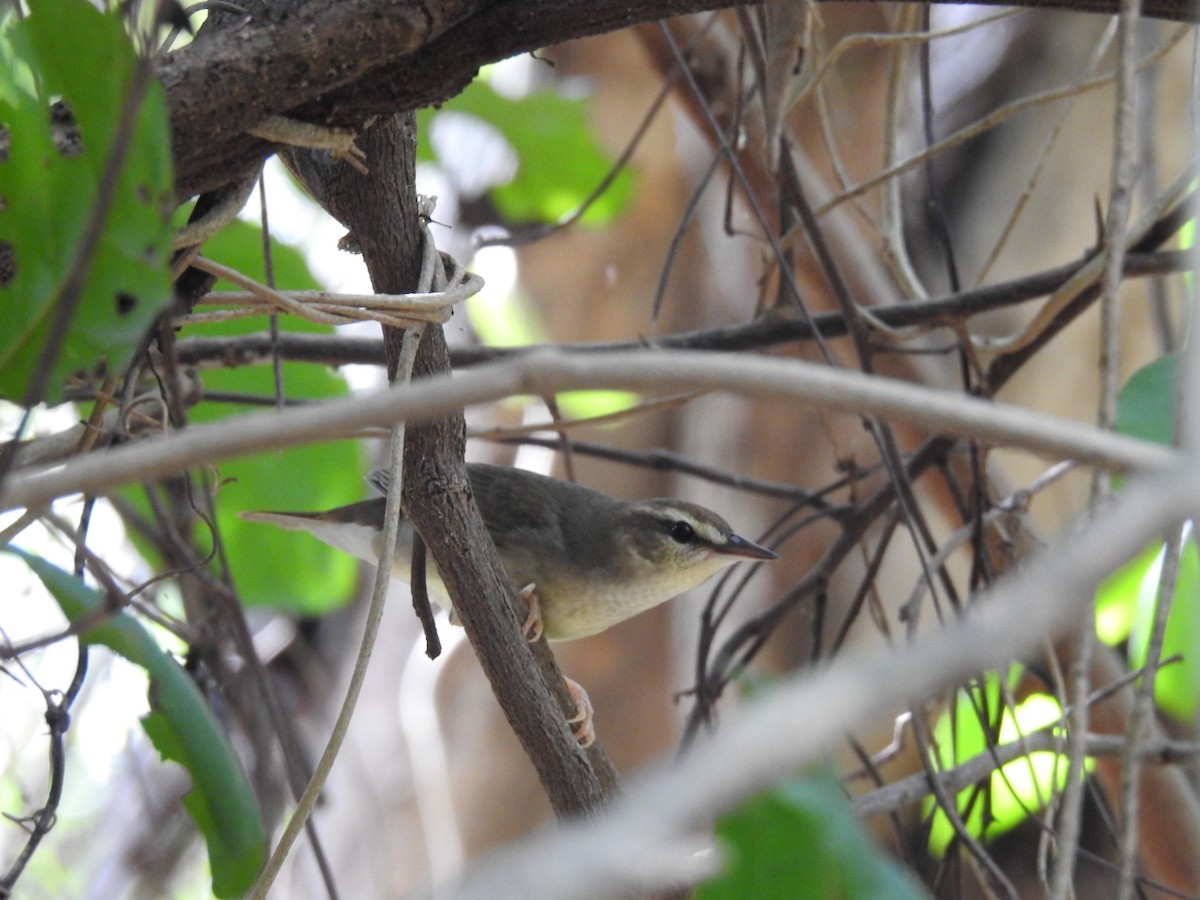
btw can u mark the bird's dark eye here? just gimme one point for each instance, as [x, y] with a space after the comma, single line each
[682, 532]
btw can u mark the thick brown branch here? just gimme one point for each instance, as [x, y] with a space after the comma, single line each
[382, 209]
[343, 62]
[530, 688]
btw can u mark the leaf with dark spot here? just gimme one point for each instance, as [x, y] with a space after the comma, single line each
[8, 264]
[61, 125]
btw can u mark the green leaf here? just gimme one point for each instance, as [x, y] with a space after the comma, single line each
[1125, 606]
[1177, 686]
[275, 568]
[1146, 404]
[1117, 595]
[183, 729]
[801, 842]
[1019, 787]
[68, 49]
[559, 162]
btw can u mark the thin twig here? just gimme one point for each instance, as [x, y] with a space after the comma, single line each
[383, 570]
[1140, 719]
[915, 788]
[998, 116]
[939, 312]
[1043, 155]
[1115, 236]
[58, 720]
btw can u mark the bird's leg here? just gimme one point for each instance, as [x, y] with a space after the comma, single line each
[532, 626]
[581, 723]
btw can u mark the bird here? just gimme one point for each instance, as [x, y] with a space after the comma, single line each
[587, 560]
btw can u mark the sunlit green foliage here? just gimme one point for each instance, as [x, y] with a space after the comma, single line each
[68, 50]
[1013, 791]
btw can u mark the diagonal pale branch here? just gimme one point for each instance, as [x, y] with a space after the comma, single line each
[548, 373]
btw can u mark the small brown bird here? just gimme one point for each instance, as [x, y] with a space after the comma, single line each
[588, 560]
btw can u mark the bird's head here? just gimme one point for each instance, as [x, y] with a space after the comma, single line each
[681, 542]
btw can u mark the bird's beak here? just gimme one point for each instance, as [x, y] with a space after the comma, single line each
[739, 546]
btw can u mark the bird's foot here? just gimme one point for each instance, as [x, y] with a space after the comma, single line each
[532, 626]
[338, 141]
[581, 723]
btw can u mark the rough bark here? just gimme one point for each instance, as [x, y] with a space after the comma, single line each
[341, 63]
[381, 210]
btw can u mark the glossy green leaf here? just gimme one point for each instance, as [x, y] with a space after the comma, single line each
[1177, 686]
[801, 842]
[559, 162]
[1146, 409]
[68, 49]
[183, 729]
[1117, 595]
[1125, 609]
[1019, 787]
